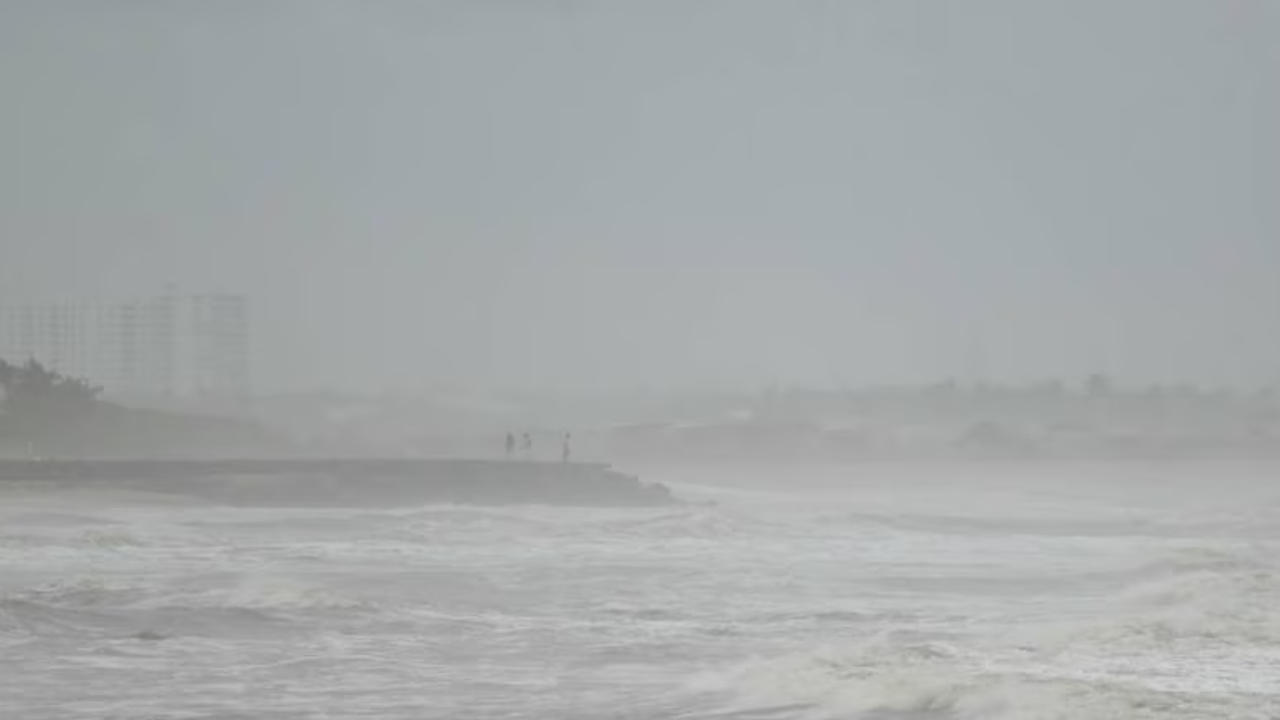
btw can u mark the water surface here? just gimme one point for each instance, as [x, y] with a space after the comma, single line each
[859, 592]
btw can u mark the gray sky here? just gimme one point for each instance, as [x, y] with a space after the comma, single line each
[607, 194]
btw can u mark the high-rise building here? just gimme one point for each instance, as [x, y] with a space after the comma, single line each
[169, 345]
[210, 344]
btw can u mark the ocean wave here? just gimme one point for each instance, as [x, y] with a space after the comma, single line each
[248, 592]
[1141, 655]
[1196, 594]
[592, 528]
[83, 591]
[1125, 526]
[688, 523]
[110, 539]
[256, 593]
[67, 606]
[286, 594]
[463, 524]
[55, 519]
[879, 680]
[96, 539]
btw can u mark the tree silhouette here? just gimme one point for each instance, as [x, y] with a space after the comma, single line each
[37, 403]
[54, 415]
[34, 388]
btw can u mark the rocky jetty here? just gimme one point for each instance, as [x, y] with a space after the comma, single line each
[355, 483]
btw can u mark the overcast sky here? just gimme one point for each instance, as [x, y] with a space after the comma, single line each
[671, 194]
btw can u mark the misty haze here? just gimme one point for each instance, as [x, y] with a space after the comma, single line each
[567, 360]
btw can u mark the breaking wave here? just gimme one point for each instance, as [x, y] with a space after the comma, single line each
[272, 594]
[1056, 527]
[1142, 656]
[990, 607]
[250, 592]
[1197, 594]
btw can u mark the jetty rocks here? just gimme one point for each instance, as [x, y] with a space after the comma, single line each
[354, 482]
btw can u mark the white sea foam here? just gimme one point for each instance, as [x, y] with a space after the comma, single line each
[987, 603]
[1156, 649]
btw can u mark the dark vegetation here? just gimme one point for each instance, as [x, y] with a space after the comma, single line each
[46, 414]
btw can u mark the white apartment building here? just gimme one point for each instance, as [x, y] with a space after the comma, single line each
[168, 345]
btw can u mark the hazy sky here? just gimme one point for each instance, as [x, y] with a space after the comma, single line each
[609, 194]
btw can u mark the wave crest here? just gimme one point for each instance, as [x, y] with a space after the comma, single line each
[1143, 658]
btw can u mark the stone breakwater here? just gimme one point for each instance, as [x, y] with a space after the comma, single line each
[355, 482]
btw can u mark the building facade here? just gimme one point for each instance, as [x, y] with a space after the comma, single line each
[168, 345]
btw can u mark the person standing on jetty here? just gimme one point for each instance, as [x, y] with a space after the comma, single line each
[528, 447]
[511, 445]
[564, 448]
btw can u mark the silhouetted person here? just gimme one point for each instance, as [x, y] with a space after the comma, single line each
[564, 449]
[511, 445]
[528, 446]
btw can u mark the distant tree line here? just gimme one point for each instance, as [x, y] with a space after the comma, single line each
[32, 388]
[48, 414]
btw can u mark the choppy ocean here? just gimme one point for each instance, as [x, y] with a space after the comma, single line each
[1029, 593]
